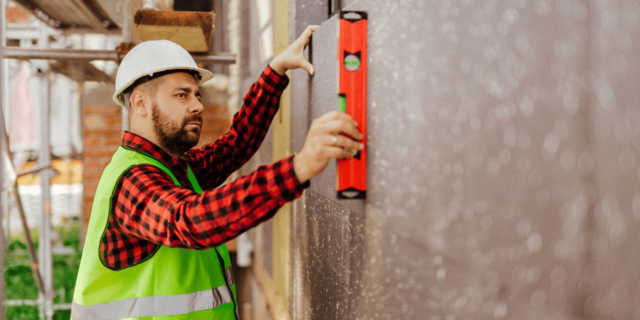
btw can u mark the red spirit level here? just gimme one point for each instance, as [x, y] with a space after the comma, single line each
[352, 97]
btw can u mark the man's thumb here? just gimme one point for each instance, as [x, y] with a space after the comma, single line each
[308, 66]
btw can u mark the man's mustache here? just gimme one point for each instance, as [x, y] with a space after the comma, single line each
[196, 117]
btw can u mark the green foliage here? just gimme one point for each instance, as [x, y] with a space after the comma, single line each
[19, 279]
[62, 314]
[22, 312]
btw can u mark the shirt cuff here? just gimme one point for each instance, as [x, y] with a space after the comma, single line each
[284, 183]
[273, 83]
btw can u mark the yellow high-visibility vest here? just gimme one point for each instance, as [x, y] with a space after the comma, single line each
[173, 283]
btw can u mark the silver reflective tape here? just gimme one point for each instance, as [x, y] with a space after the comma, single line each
[154, 306]
[228, 272]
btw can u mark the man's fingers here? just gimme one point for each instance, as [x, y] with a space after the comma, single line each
[328, 116]
[307, 66]
[339, 153]
[341, 126]
[306, 34]
[343, 142]
[335, 115]
[310, 29]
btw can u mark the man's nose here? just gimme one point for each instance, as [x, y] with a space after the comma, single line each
[196, 107]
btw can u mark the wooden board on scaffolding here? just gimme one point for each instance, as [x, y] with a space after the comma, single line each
[191, 30]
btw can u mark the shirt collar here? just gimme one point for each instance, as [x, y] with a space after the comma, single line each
[139, 143]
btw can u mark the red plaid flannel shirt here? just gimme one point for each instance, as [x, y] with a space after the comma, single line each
[149, 210]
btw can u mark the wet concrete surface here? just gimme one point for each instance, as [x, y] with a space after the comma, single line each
[503, 172]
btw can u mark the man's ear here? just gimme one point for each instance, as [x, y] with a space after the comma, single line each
[139, 103]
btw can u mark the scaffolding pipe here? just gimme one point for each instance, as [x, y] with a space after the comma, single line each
[27, 234]
[59, 54]
[4, 143]
[127, 22]
[3, 43]
[6, 105]
[42, 71]
[108, 55]
[2, 254]
[32, 170]
[80, 83]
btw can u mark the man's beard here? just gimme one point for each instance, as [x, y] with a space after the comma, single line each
[175, 139]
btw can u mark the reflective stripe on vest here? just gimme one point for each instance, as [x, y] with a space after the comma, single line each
[157, 305]
[154, 306]
[228, 273]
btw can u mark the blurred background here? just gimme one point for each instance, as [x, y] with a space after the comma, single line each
[64, 105]
[503, 179]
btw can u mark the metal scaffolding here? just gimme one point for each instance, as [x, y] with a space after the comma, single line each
[107, 55]
[43, 264]
[2, 132]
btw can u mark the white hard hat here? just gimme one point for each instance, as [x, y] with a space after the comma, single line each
[153, 57]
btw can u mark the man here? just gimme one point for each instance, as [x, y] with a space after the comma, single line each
[159, 199]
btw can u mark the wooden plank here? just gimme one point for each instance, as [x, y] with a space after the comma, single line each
[191, 30]
[282, 149]
[275, 302]
[69, 15]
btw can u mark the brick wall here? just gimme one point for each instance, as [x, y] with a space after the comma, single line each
[102, 132]
[216, 121]
[102, 129]
[17, 15]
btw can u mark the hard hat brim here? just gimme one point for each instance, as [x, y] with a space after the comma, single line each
[205, 75]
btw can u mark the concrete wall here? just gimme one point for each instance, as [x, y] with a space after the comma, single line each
[502, 176]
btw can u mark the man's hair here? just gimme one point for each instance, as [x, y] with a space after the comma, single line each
[149, 87]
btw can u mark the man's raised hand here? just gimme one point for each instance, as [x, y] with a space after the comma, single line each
[293, 57]
[325, 142]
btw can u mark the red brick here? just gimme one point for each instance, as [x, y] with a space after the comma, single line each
[98, 153]
[17, 15]
[91, 164]
[93, 122]
[216, 121]
[114, 131]
[93, 141]
[100, 147]
[110, 120]
[93, 170]
[217, 111]
[109, 141]
[93, 175]
[101, 110]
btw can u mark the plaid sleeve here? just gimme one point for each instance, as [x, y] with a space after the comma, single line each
[213, 163]
[151, 207]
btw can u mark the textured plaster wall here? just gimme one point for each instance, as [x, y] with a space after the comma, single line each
[503, 173]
